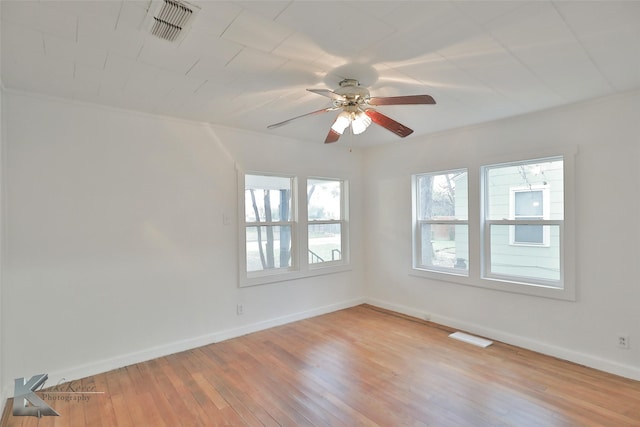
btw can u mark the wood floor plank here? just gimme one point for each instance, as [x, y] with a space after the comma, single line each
[177, 375]
[247, 409]
[362, 366]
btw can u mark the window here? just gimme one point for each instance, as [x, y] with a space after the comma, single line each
[524, 243]
[324, 227]
[272, 247]
[505, 226]
[441, 233]
[269, 222]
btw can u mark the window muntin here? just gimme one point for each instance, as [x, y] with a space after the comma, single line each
[325, 213]
[441, 223]
[523, 226]
[269, 224]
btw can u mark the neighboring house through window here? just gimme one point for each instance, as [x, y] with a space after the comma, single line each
[529, 204]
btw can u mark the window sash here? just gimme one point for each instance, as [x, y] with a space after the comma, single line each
[269, 223]
[417, 209]
[460, 270]
[292, 261]
[267, 182]
[524, 221]
[312, 202]
[523, 279]
[315, 259]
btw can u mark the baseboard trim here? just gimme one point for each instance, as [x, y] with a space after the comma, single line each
[105, 365]
[594, 362]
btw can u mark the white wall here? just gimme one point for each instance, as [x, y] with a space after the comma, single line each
[2, 205]
[2, 382]
[116, 247]
[608, 231]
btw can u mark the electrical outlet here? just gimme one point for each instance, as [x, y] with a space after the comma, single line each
[240, 309]
[623, 341]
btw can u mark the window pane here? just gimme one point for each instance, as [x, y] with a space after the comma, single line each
[268, 247]
[527, 262]
[267, 198]
[442, 196]
[445, 246]
[325, 243]
[324, 199]
[527, 181]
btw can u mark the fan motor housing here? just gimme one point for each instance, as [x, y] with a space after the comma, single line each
[352, 91]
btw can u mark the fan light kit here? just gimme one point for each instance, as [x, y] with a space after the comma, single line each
[355, 101]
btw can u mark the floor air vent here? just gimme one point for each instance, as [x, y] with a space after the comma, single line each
[171, 19]
[471, 339]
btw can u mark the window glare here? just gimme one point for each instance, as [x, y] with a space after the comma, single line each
[443, 196]
[324, 199]
[267, 198]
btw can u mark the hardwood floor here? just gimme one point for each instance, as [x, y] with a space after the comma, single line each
[360, 366]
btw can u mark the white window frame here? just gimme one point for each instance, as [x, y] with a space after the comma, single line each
[418, 223]
[478, 249]
[300, 266]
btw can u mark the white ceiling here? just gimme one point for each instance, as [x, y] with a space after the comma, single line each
[246, 64]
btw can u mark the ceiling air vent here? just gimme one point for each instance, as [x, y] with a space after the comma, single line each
[171, 19]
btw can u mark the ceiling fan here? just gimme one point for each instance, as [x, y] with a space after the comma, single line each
[355, 101]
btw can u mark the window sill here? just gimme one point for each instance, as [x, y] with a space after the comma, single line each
[566, 293]
[287, 275]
